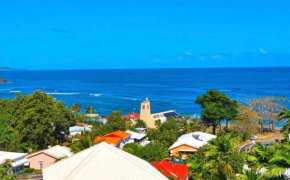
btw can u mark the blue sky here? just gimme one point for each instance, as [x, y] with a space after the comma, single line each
[73, 34]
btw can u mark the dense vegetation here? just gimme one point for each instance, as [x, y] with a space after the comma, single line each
[217, 160]
[32, 122]
[5, 170]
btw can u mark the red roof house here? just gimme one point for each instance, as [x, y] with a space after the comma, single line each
[177, 171]
[84, 125]
[131, 116]
[117, 138]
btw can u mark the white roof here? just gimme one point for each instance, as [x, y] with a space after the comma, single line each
[159, 116]
[135, 135]
[56, 151]
[59, 151]
[188, 141]
[78, 128]
[92, 115]
[14, 156]
[10, 155]
[140, 129]
[102, 161]
[195, 139]
[19, 162]
[199, 135]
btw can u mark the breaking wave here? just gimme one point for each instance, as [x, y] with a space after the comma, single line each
[96, 95]
[58, 93]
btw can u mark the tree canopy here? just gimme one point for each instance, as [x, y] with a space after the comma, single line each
[33, 122]
[216, 107]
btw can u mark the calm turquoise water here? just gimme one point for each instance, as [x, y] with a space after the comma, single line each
[108, 90]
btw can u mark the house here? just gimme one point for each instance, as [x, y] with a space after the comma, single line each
[77, 130]
[115, 141]
[44, 158]
[141, 130]
[140, 138]
[102, 120]
[84, 125]
[150, 119]
[125, 136]
[117, 138]
[189, 143]
[17, 160]
[92, 115]
[132, 116]
[169, 169]
[102, 161]
[163, 116]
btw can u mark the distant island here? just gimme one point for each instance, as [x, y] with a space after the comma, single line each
[2, 80]
[11, 69]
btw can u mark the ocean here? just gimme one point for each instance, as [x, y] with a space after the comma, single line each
[167, 89]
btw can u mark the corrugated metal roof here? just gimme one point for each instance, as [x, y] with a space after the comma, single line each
[196, 139]
[102, 161]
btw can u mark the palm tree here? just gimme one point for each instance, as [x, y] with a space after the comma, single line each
[260, 157]
[90, 110]
[75, 107]
[285, 114]
[217, 160]
[86, 140]
[279, 164]
[272, 161]
[251, 175]
[221, 150]
[200, 168]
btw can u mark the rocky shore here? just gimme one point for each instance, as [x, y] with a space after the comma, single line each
[2, 80]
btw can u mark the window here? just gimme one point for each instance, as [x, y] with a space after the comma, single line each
[40, 164]
[147, 106]
[143, 106]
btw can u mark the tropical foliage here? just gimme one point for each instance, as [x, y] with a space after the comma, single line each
[285, 114]
[271, 161]
[153, 152]
[32, 122]
[167, 133]
[5, 171]
[245, 124]
[90, 110]
[85, 141]
[217, 160]
[76, 107]
[216, 107]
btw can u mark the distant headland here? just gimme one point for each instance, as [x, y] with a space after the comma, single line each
[11, 69]
[2, 80]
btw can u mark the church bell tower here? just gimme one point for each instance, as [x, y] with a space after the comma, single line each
[145, 114]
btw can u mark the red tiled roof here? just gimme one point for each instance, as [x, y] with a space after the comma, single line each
[83, 124]
[131, 116]
[177, 171]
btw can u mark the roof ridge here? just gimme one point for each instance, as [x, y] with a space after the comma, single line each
[71, 156]
[77, 168]
[119, 151]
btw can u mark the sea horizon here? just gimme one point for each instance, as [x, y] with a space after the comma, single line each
[167, 88]
[146, 68]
